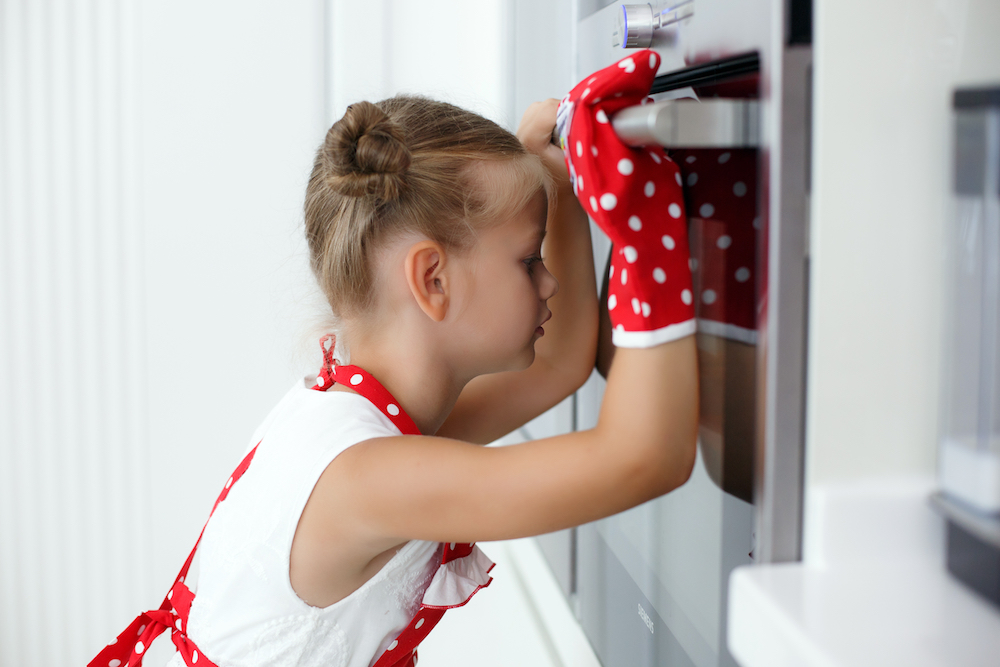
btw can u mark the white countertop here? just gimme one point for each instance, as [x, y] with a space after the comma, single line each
[872, 590]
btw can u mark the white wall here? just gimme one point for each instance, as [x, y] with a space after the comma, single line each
[231, 113]
[152, 272]
[446, 49]
[883, 77]
[493, 57]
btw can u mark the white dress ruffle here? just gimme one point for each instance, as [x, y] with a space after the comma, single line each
[455, 582]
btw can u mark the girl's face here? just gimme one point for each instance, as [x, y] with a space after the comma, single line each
[504, 304]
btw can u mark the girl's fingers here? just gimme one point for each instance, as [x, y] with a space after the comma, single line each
[535, 130]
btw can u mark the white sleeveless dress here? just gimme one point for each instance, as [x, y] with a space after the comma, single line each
[245, 612]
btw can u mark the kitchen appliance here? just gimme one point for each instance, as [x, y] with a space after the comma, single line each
[731, 107]
[969, 442]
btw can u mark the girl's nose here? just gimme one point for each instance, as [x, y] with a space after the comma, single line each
[550, 286]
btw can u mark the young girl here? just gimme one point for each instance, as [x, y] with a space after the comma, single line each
[347, 530]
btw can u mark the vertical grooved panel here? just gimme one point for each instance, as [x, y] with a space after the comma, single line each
[72, 405]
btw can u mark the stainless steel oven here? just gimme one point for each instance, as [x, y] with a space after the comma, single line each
[650, 585]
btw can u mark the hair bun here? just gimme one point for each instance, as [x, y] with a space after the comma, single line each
[367, 154]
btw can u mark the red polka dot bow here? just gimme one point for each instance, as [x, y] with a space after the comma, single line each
[635, 196]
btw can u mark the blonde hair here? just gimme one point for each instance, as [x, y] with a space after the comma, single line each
[408, 164]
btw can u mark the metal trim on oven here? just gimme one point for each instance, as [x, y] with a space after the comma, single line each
[781, 447]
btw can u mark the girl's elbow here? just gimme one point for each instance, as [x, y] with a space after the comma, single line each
[686, 460]
[676, 465]
[662, 469]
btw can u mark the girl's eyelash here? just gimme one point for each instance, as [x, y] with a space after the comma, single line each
[530, 261]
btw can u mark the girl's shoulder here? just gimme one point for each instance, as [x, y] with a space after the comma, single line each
[305, 415]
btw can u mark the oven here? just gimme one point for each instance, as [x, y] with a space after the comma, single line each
[650, 585]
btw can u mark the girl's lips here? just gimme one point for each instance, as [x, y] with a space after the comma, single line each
[540, 331]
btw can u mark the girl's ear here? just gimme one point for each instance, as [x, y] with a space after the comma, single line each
[427, 278]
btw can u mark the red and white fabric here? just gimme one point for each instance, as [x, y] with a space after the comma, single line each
[721, 197]
[635, 196]
[242, 610]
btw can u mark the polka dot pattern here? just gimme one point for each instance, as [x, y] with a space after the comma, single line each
[724, 236]
[634, 195]
[362, 382]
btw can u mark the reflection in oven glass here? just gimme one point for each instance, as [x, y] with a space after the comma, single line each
[721, 201]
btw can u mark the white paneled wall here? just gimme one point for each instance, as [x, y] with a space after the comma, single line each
[73, 512]
[153, 288]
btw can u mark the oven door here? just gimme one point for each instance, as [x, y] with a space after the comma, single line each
[651, 581]
[650, 585]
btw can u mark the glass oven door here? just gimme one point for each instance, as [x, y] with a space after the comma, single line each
[652, 581]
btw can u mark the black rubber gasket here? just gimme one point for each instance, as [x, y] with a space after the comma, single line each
[711, 72]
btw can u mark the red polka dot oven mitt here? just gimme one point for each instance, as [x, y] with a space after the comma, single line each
[635, 196]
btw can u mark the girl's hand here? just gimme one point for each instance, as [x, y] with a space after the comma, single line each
[535, 132]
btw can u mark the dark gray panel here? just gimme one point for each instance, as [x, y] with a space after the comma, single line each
[620, 621]
[970, 152]
[559, 551]
[974, 562]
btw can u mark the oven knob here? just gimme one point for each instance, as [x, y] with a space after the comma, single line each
[636, 23]
[635, 26]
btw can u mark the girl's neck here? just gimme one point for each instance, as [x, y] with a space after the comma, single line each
[420, 382]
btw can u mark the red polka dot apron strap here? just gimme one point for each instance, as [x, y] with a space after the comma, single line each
[464, 572]
[365, 384]
[129, 648]
[464, 569]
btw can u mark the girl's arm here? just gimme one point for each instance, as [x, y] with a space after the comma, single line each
[493, 405]
[438, 489]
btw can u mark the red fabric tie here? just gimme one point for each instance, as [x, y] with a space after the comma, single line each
[129, 648]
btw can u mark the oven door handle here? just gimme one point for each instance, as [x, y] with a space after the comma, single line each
[712, 123]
